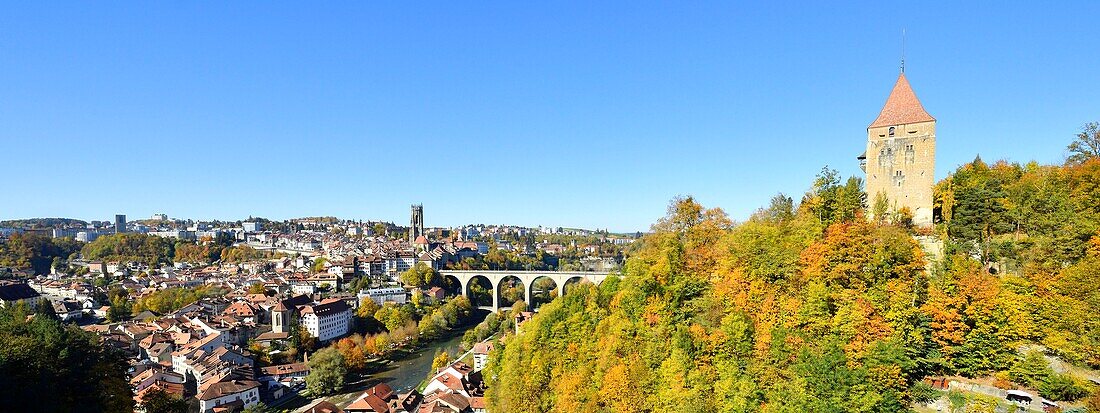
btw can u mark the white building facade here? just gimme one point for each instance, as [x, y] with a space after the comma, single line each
[328, 320]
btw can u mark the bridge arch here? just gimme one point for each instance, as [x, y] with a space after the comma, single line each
[510, 289]
[481, 291]
[519, 280]
[453, 285]
[542, 290]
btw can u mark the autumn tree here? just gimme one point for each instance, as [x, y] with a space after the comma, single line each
[440, 361]
[367, 308]
[423, 276]
[816, 309]
[352, 349]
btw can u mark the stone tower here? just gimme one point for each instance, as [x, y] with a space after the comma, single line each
[416, 223]
[901, 155]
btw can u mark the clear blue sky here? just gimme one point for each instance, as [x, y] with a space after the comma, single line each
[562, 114]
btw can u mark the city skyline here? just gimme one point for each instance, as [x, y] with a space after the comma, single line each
[590, 117]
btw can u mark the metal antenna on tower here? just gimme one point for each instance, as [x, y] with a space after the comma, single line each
[903, 50]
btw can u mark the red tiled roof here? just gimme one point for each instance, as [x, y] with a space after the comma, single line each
[901, 107]
[224, 388]
[323, 407]
[284, 369]
[369, 403]
[382, 390]
[483, 347]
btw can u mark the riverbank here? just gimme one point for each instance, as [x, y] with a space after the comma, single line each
[403, 369]
[403, 372]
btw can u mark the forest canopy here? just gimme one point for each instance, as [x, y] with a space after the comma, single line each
[57, 367]
[811, 307]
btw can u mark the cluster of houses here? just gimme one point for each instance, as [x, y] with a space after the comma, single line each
[69, 301]
[201, 350]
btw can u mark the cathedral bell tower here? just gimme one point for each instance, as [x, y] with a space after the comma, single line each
[901, 155]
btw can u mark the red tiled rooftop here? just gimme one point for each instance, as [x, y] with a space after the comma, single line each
[902, 107]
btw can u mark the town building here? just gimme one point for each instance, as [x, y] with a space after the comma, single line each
[481, 354]
[280, 319]
[12, 292]
[234, 395]
[87, 236]
[328, 320]
[397, 295]
[280, 372]
[456, 388]
[67, 310]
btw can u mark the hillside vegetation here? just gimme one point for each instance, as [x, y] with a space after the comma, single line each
[815, 308]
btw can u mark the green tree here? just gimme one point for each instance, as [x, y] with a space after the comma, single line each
[832, 202]
[393, 316]
[37, 354]
[158, 401]
[881, 208]
[326, 372]
[44, 308]
[120, 309]
[1086, 146]
[979, 207]
[423, 276]
[780, 208]
[1031, 369]
[1062, 387]
[318, 265]
[480, 293]
[260, 408]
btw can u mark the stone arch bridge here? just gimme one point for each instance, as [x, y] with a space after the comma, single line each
[526, 278]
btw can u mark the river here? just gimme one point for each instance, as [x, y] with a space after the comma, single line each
[405, 374]
[402, 375]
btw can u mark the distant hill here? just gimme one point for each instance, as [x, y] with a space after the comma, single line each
[43, 223]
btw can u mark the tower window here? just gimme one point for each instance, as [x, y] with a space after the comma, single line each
[891, 131]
